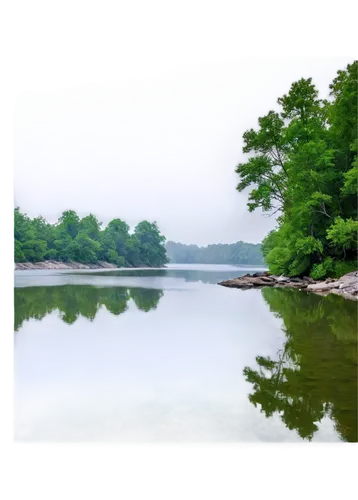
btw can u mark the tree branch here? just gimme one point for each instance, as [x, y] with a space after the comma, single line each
[323, 211]
[279, 209]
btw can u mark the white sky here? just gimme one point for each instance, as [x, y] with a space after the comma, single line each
[144, 120]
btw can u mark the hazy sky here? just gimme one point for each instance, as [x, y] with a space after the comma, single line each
[160, 148]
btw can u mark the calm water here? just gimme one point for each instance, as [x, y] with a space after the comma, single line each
[166, 355]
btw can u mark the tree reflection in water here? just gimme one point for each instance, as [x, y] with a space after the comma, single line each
[73, 301]
[315, 373]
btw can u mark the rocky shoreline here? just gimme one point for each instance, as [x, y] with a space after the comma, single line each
[346, 286]
[53, 264]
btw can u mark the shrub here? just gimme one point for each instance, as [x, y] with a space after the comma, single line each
[322, 270]
[341, 268]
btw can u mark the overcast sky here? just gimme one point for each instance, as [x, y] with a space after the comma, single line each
[151, 130]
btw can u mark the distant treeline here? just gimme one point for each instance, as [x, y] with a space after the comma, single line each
[235, 253]
[84, 240]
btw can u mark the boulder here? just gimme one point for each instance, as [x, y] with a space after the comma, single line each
[259, 274]
[283, 279]
[321, 287]
[346, 286]
[267, 279]
[296, 280]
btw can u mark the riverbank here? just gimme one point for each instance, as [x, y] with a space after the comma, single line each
[346, 286]
[53, 264]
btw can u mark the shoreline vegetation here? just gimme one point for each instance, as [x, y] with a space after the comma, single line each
[346, 286]
[301, 167]
[74, 243]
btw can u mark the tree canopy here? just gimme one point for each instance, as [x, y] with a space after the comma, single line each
[84, 240]
[302, 167]
[235, 253]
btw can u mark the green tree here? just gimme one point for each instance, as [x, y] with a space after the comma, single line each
[83, 240]
[152, 250]
[85, 249]
[42, 229]
[91, 226]
[22, 226]
[114, 241]
[343, 234]
[62, 245]
[133, 251]
[69, 223]
[34, 250]
[52, 254]
[302, 166]
[19, 254]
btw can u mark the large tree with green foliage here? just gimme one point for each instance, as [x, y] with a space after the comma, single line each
[151, 244]
[84, 240]
[303, 169]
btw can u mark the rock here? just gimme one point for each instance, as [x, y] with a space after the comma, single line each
[267, 279]
[322, 286]
[246, 282]
[346, 286]
[282, 279]
[255, 281]
[296, 280]
[295, 284]
[51, 264]
[259, 274]
[352, 274]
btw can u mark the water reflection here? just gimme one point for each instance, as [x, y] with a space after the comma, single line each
[181, 373]
[315, 373]
[209, 275]
[73, 301]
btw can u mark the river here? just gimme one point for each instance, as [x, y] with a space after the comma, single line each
[167, 355]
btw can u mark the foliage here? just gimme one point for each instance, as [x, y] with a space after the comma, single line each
[319, 271]
[340, 268]
[151, 244]
[343, 234]
[235, 253]
[302, 166]
[83, 240]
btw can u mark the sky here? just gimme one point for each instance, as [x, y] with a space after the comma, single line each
[161, 147]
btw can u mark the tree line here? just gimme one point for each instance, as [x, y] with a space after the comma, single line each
[84, 240]
[302, 166]
[221, 253]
